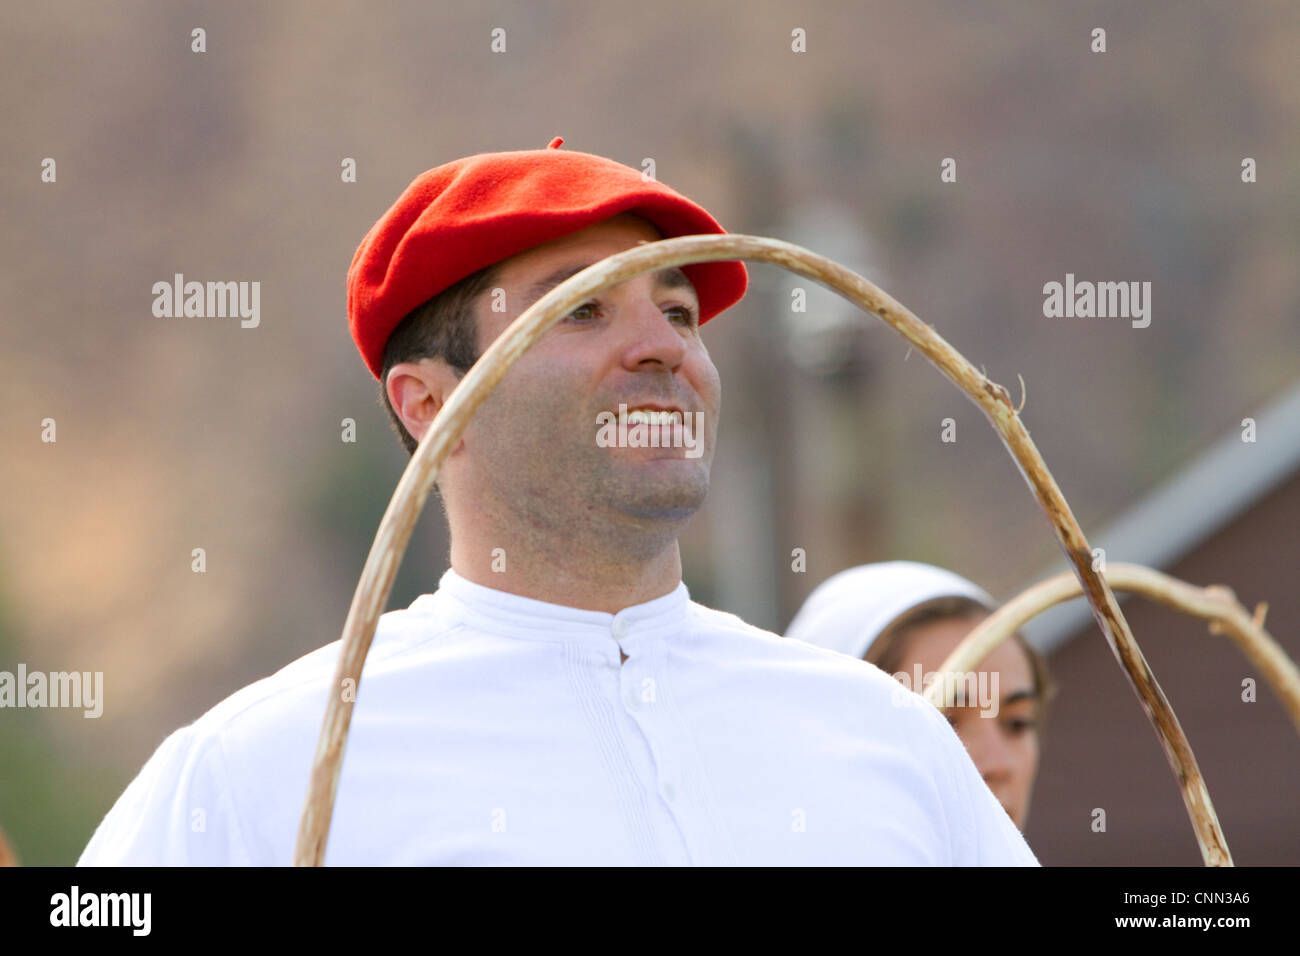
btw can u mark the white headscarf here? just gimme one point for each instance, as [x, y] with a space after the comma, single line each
[849, 610]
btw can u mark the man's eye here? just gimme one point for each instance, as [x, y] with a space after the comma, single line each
[685, 314]
[585, 312]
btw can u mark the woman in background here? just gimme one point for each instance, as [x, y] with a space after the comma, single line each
[906, 618]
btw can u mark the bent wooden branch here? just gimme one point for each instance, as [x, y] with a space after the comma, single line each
[399, 519]
[1216, 604]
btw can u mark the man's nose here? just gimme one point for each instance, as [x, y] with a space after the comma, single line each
[652, 337]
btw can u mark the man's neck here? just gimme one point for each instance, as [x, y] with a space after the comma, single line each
[571, 575]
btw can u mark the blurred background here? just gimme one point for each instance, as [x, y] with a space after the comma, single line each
[176, 434]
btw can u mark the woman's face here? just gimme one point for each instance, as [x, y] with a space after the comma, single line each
[1003, 740]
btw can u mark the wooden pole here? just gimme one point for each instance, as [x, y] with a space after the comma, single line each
[413, 489]
[1215, 604]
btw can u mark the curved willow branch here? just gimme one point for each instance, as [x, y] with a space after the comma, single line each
[1216, 604]
[399, 519]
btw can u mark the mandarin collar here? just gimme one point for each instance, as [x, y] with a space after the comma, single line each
[510, 615]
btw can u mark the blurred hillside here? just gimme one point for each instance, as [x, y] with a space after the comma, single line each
[175, 434]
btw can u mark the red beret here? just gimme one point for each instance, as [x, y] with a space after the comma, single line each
[471, 213]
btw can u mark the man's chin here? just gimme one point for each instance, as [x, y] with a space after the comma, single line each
[662, 507]
[665, 494]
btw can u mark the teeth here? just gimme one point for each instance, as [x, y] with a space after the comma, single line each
[649, 416]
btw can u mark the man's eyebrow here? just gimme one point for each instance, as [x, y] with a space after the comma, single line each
[671, 278]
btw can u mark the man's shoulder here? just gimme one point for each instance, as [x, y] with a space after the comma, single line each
[228, 786]
[841, 691]
[299, 690]
[728, 626]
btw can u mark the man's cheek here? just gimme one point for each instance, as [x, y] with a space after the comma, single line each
[537, 410]
[710, 386]
[714, 409]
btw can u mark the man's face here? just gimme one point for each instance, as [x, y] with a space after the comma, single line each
[533, 446]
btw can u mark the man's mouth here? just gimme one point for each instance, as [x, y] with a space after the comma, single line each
[651, 425]
[646, 415]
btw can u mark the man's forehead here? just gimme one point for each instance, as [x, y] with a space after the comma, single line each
[670, 278]
[603, 238]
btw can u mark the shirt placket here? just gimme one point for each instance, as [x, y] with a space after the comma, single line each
[671, 767]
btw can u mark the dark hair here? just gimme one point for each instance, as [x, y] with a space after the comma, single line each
[443, 327]
[887, 650]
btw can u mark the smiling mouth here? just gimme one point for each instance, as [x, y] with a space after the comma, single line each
[653, 416]
[650, 413]
[651, 425]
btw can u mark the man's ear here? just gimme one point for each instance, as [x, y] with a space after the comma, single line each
[418, 390]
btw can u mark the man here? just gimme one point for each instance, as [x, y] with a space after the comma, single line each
[559, 699]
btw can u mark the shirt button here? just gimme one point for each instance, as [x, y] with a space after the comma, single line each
[670, 792]
[620, 629]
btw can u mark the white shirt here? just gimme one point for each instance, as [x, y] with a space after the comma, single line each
[495, 729]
